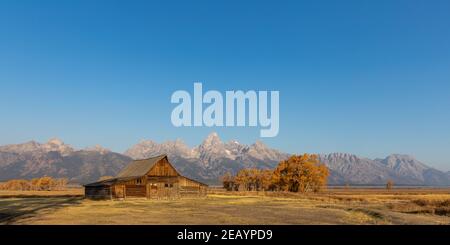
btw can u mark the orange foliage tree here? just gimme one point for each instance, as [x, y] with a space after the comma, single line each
[38, 184]
[300, 173]
[228, 182]
[254, 179]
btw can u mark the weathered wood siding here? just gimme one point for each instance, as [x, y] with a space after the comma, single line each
[119, 191]
[162, 190]
[137, 181]
[162, 186]
[188, 187]
[98, 192]
[163, 168]
[135, 191]
[188, 182]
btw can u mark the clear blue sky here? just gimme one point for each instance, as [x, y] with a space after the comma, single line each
[364, 77]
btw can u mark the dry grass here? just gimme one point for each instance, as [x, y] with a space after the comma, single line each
[436, 206]
[331, 207]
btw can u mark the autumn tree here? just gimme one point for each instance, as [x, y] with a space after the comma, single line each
[300, 173]
[243, 180]
[228, 182]
[36, 184]
[266, 181]
[253, 179]
[45, 183]
[17, 185]
[61, 183]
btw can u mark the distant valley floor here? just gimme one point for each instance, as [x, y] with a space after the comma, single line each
[337, 206]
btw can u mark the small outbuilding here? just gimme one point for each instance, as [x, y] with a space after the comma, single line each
[148, 178]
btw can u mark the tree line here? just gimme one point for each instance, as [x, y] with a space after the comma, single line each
[38, 184]
[300, 173]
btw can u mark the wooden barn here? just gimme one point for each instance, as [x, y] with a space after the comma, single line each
[149, 178]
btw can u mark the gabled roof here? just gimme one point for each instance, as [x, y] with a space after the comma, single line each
[139, 168]
[108, 182]
[193, 180]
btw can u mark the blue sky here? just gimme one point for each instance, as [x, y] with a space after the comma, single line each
[365, 77]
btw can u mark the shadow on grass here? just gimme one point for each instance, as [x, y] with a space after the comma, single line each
[13, 209]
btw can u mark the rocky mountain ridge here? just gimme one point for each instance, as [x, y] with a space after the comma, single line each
[205, 162]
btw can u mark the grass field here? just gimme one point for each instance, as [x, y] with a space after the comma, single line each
[335, 206]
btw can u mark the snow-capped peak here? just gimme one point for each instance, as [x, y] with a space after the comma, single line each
[55, 144]
[35, 147]
[55, 141]
[98, 148]
[212, 140]
[147, 148]
[210, 152]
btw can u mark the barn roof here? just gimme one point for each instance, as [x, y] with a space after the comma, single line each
[193, 180]
[108, 182]
[139, 168]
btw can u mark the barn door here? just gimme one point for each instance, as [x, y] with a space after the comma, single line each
[119, 191]
[152, 190]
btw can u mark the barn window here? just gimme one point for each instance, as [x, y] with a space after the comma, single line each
[166, 185]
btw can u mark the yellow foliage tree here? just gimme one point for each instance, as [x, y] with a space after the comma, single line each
[266, 179]
[45, 183]
[253, 179]
[37, 184]
[300, 173]
[242, 179]
[228, 182]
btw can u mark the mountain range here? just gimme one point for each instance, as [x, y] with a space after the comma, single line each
[205, 162]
